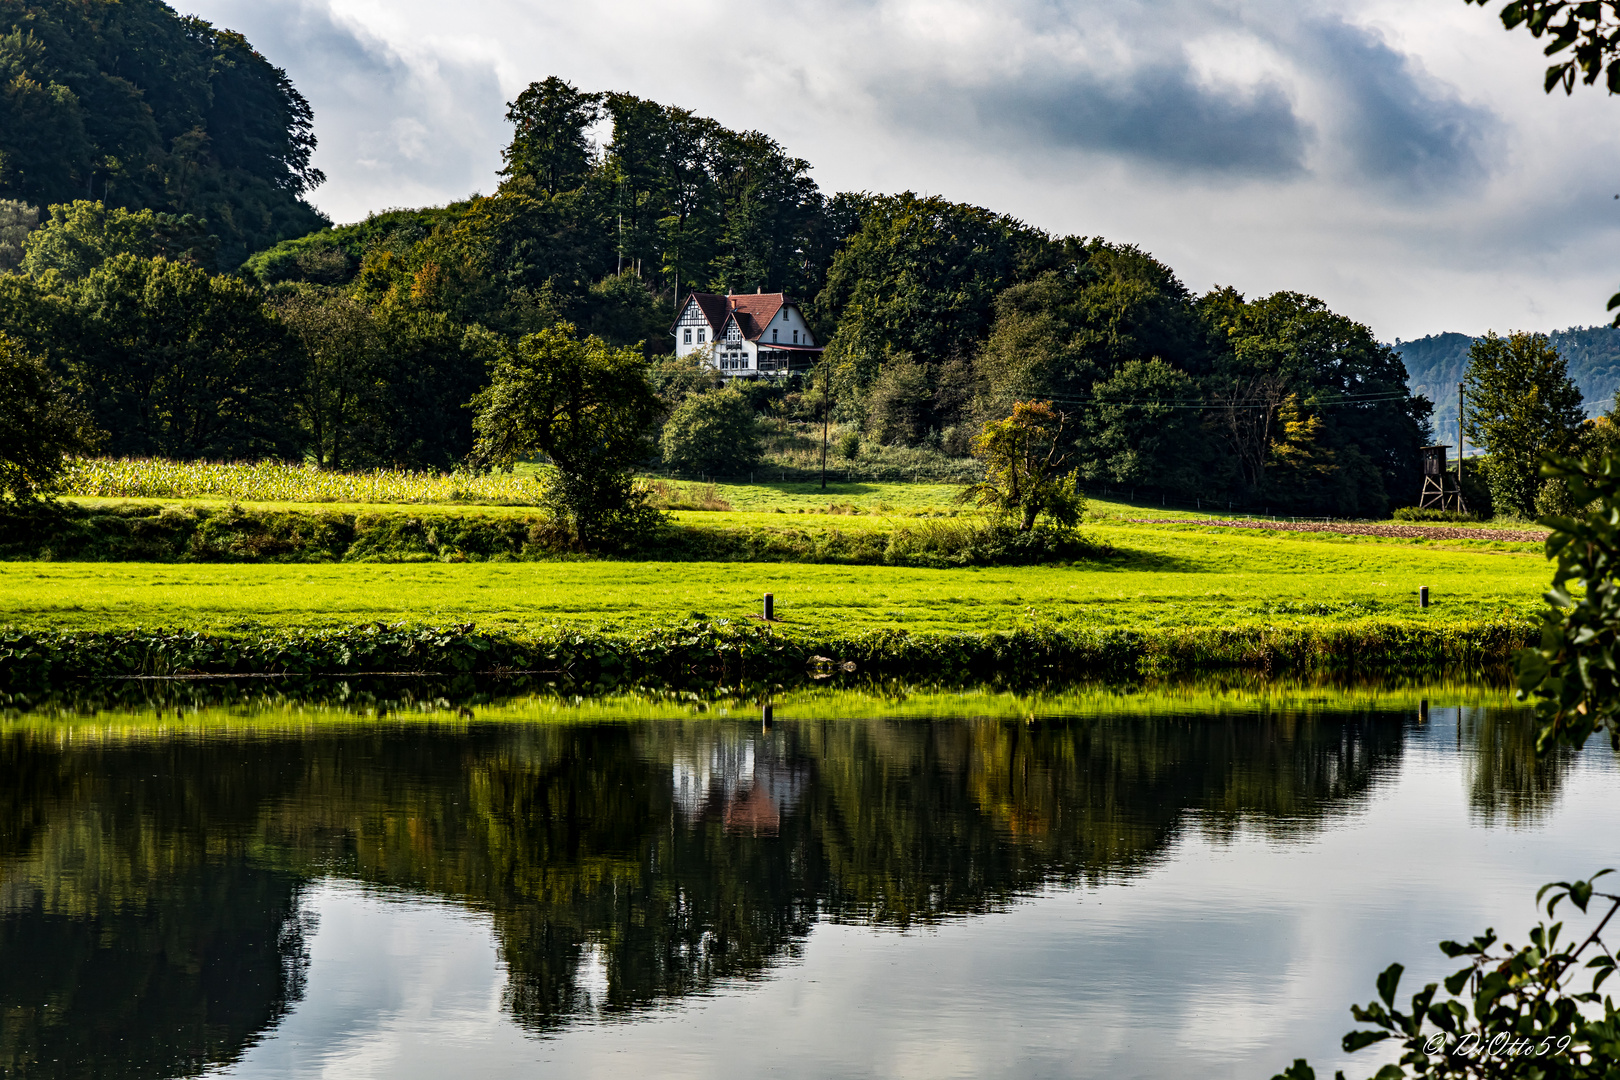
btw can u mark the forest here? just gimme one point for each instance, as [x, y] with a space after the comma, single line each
[198, 308]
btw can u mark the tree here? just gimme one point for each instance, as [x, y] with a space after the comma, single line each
[899, 402]
[921, 277]
[1522, 406]
[713, 433]
[549, 146]
[1589, 30]
[1075, 326]
[1140, 431]
[174, 362]
[77, 237]
[17, 220]
[39, 428]
[1024, 460]
[675, 377]
[1351, 388]
[137, 106]
[588, 408]
[341, 397]
[1513, 1011]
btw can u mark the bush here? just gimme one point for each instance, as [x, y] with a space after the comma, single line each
[1413, 513]
[712, 433]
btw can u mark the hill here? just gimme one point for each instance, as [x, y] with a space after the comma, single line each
[1435, 365]
[130, 103]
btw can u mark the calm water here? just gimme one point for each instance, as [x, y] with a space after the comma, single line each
[1119, 892]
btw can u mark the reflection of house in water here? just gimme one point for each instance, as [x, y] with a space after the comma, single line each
[742, 777]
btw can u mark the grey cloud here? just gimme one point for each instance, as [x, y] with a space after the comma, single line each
[391, 131]
[1396, 123]
[1160, 115]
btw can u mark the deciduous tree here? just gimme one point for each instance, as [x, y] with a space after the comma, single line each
[1522, 406]
[39, 428]
[1024, 465]
[713, 433]
[587, 407]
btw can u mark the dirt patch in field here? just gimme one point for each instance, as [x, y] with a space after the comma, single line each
[1408, 532]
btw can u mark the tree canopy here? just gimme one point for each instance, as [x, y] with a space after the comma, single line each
[132, 105]
[587, 407]
[1522, 407]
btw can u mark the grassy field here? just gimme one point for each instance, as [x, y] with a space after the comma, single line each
[1164, 576]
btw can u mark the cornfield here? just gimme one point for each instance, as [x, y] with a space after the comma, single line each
[273, 481]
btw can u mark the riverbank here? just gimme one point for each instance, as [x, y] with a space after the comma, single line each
[693, 653]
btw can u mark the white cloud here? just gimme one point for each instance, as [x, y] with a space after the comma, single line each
[1396, 159]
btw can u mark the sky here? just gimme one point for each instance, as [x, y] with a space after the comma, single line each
[1395, 158]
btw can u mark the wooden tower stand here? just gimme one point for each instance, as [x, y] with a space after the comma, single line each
[1441, 487]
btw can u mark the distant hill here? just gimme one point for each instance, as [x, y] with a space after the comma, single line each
[1435, 365]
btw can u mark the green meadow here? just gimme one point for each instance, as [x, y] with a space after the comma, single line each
[1159, 576]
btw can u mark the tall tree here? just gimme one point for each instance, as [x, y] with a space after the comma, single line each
[1522, 406]
[175, 363]
[1349, 398]
[550, 145]
[920, 277]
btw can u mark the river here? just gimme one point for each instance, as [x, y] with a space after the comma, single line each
[1103, 884]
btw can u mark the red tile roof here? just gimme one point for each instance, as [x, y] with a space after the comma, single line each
[754, 311]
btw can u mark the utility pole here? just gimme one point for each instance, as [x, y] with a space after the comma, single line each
[826, 389]
[1460, 438]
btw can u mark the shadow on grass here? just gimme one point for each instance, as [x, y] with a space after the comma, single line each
[1156, 562]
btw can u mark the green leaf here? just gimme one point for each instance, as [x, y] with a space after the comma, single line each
[1388, 982]
[1356, 1040]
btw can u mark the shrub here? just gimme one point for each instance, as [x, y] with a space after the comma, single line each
[667, 496]
[1413, 513]
[712, 433]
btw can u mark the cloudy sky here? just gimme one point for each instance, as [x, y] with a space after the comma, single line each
[1396, 158]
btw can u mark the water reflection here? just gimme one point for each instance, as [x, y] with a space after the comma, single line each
[150, 919]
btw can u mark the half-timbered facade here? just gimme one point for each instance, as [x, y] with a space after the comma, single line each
[746, 335]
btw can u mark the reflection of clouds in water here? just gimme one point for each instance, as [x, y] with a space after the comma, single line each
[744, 778]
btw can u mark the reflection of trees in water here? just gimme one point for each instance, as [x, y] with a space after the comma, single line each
[621, 864]
[137, 938]
[1505, 777]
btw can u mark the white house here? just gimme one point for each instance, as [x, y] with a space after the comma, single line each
[746, 335]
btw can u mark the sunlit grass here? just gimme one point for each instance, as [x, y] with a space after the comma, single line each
[1161, 578]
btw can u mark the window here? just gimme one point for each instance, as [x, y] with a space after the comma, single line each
[700, 336]
[732, 333]
[687, 338]
[795, 337]
[773, 336]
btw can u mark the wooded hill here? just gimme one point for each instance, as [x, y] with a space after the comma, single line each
[362, 345]
[132, 105]
[1435, 365]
